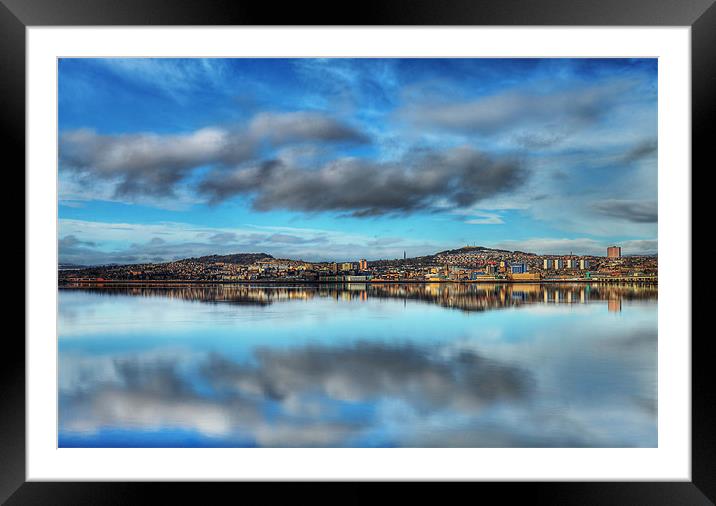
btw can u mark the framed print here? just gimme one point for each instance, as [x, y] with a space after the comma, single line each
[428, 245]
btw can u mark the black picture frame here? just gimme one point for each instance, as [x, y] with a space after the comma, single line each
[700, 15]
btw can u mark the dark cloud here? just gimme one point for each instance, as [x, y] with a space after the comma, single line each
[367, 371]
[158, 376]
[459, 177]
[640, 247]
[281, 128]
[71, 242]
[537, 140]
[641, 150]
[293, 239]
[385, 241]
[152, 164]
[143, 253]
[518, 108]
[75, 251]
[148, 164]
[636, 211]
[223, 238]
[87, 253]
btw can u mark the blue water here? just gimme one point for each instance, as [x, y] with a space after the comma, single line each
[358, 366]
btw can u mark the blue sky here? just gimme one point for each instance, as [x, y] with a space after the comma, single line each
[338, 159]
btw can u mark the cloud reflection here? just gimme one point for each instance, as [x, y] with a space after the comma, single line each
[369, 371]
[353, 374]
[310, 391]
[391, 394]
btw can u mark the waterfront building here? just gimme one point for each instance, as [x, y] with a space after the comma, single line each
[356, 279]
[584, 264]
[559, 264]
[518, 268]
[548, 263]
[363, 264]
[526, 276]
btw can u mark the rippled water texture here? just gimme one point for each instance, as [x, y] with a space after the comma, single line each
[385, 365]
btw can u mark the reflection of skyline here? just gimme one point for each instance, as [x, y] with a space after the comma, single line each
[465, 297]
[614, 304]
[356, 367]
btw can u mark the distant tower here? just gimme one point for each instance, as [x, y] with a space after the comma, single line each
[404, 256]
[614, 252]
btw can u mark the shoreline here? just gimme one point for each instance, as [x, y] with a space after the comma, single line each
[368, 282]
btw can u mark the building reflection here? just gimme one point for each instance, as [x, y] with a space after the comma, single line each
[466, 297]
[614, 305]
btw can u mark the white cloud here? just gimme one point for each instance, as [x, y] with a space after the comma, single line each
[578, 246]
[136, 243]
[177, 78]
[480, 217]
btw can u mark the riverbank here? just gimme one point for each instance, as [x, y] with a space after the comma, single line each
[178, 282]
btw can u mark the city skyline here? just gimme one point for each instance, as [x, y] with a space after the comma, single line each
[162, 159]
[405, 256]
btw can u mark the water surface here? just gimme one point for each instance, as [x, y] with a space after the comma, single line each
[443, 365]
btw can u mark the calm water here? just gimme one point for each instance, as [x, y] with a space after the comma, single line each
[392, 365]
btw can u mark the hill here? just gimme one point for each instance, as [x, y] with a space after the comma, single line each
[235, 258]
[471, 249]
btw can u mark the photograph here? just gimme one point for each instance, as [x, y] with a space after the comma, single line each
[357, 252]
